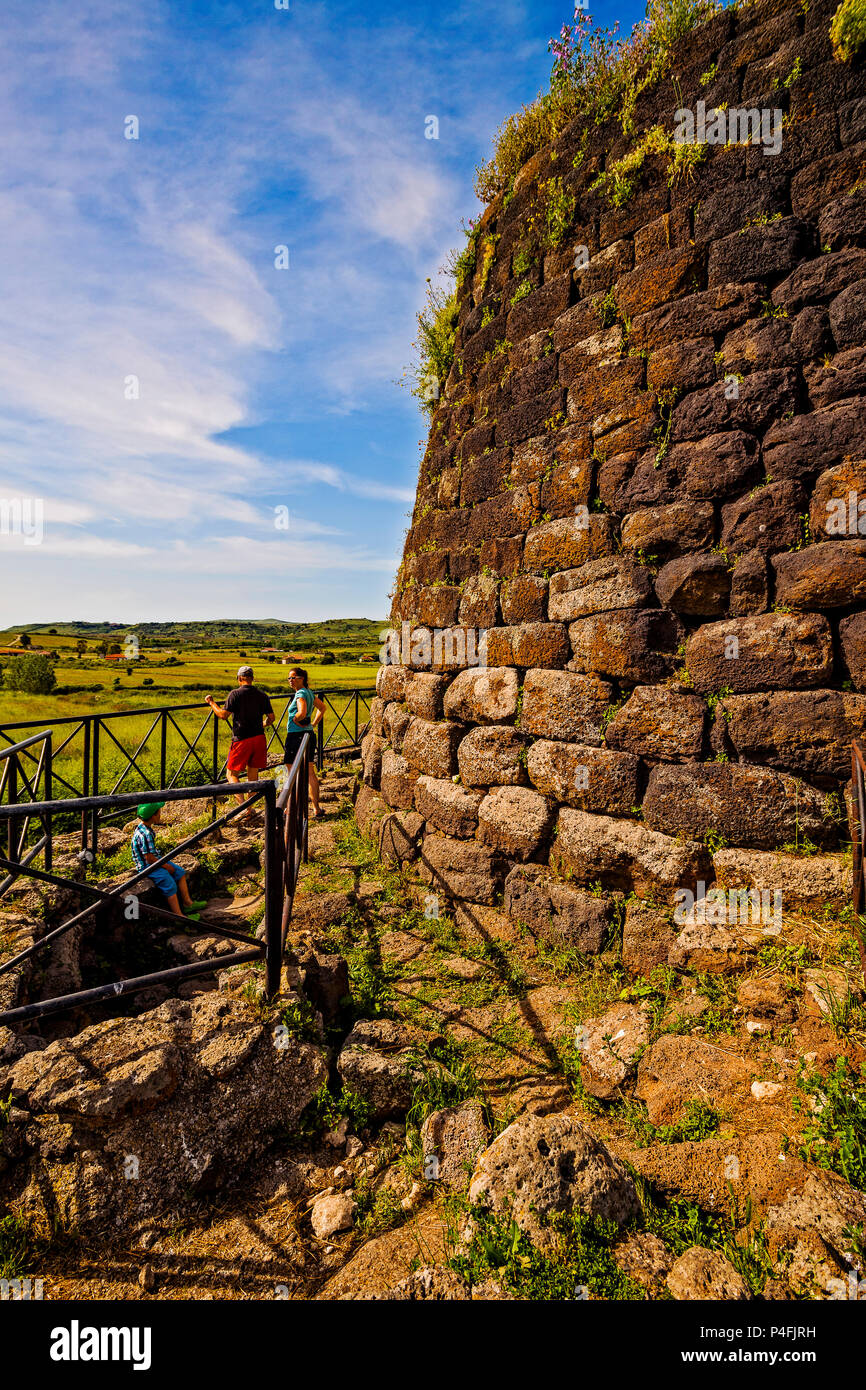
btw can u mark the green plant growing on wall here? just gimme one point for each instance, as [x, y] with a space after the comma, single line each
[848, 30]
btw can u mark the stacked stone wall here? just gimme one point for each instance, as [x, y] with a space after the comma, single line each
[643, 500]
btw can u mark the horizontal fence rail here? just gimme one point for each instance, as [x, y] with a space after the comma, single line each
[286, 829]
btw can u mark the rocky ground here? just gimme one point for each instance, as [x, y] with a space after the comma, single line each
[489, 1102]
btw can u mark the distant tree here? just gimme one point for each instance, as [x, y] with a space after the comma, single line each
[101, 647]
[80, 647]
[327, 659]
[148, 680]
[25, 639]
[52, 632]
[32, 674]
[129, 670]
[242, 655]
[114, 649]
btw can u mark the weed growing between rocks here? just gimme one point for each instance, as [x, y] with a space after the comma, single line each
[836, 1137]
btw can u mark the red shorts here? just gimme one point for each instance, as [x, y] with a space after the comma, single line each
[248, 752]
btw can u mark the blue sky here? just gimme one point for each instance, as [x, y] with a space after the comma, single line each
[154, 258]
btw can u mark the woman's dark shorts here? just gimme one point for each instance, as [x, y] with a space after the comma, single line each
[293, 743]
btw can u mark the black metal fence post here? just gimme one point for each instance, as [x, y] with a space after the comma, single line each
[163, 746]
[357, 711]
[12, 828]
[94, 817]
[320, 744]
[85, 777]
[49, 796]
[273, 894]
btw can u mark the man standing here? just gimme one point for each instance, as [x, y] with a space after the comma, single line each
[246, 706]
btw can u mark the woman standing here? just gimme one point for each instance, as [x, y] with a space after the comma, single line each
[305, 713]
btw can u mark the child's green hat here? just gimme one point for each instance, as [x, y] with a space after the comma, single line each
[148, 809]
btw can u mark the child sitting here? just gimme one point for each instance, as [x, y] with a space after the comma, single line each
[170, 877]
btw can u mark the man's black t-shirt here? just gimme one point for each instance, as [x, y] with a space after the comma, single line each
[247, 705]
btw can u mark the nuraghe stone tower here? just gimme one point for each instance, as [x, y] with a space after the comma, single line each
[643, 483]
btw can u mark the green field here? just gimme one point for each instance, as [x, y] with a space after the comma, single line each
[90, 684]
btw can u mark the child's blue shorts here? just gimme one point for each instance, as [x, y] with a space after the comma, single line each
[166, 881]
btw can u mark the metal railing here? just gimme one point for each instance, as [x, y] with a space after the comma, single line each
[858, 842]
[14, 780]
[286, 826]
[149, 756]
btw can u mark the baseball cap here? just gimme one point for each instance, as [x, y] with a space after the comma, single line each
[244, 671]
[148, 809]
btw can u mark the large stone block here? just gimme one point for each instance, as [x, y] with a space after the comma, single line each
[461, 869]
[447, 807]
[634, 645]
[397, 781]
[556, 912]
[627, 856]
[610, 1047]
[766, 521]
[492, 756]
[371, 758]
[797, 731]
[647, 936]
[563, 705]
[676, 1070]
[829, 575]
[517, 821]
[772, 651]
[424, 694]
[752, 807]
[484, 695]
[391, 682]
[838, 505]
[801, 447]
[395, 722]
[569, 542]
[659, 724]
[529, 644]
[523, 599]
[669, 530]
[479, 606]
[598, 587]
[593, 779]
[806, 882]
[695, 585]
[399, 837]
[852, 638]
[432, 747]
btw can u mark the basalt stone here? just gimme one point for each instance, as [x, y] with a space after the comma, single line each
[397, 781]
[483, 477]
[761, 398]
[684, 366]
[479, 606]
[461, 869]
[773, 651]
[798, 731]
[370, 811]
[484, 695]
[377, 710]
[703, 315]
[627, 856]
[852, 638]
[391, 682]
[516, 821]
[803, 447]
[659, 724]
[829, 575]
[750, 806]
[399, 837]
[695, 585]
[604, 388]
[424, 695]
[557, 913]
[820, 280]
[598, 587]
[592, 779]
[843, 222]
[670, 275]
[758, 253]
[563, 705]
[371, 758]
[647, 936]
[431, 747]
[569, 542]
[529, 644]
[755, 343]
[767, 520]
[810, 333]
[610, 1047]
[634, 645]
[669, 530]
[509, 514]
[395, 722]
[848, 316]
[437, 606]
[523, 599]
[749, 585]
[828, 383]
[492, 756]
[447, 807]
